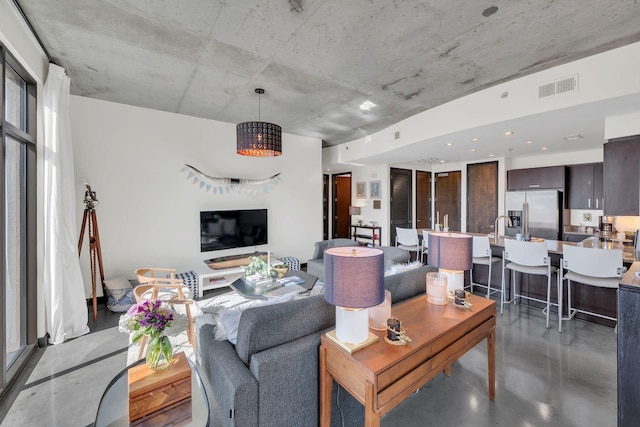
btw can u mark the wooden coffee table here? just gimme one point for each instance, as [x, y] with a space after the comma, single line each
[381, 375]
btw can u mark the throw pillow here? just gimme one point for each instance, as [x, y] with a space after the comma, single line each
[117, 287]
[401, 268]
[228, 319]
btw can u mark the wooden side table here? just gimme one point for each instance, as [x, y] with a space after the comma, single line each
[382, 375]
[374, 234]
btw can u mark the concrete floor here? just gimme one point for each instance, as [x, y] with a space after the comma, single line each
[543, 379]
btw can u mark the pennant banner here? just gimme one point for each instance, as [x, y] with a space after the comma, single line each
[249, 187]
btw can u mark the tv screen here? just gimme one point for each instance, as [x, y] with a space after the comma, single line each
[232, 229]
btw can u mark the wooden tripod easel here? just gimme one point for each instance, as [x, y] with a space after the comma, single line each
[90, 221]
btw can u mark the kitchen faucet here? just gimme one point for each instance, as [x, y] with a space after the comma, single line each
[495, 226]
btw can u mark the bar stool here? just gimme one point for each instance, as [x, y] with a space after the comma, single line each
[407, 239]
[528, 258]
[589, 266]
[425, 245]
[482, 256]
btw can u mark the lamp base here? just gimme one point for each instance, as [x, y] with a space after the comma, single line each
[352, 347]
[455, 279]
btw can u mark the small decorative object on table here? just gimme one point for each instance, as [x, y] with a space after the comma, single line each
[156, 320]
[281, 269]
[460, 298]
[437, 288]
[395, 334]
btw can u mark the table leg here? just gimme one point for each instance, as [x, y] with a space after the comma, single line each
[326, 383]
[491, 358]
[447, 370]
[371, 417]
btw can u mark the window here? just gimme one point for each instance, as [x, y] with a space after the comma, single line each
[18, 231]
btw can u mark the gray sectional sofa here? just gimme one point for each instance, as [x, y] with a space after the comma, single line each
[315, 265]
[270, 377]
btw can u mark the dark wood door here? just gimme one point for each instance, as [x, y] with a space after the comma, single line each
[400, 202]
[423, 199]
[448, 197]
[325, 207]
[341, 202]
[482, 197]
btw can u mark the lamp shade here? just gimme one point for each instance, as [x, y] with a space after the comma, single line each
[451, 251]
[258, 139]
[354, 210]
[354, 276]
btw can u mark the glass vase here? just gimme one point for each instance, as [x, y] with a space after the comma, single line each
[159, 353]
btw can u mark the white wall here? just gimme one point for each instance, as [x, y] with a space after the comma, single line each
[148, 214]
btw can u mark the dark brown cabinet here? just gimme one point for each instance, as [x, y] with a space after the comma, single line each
[622, 176]
[585, 186]
[532, 178]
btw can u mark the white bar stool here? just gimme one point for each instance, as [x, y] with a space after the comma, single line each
[482, 256]
[589, 266]
[528, 258]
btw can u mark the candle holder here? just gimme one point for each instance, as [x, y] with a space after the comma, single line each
[395, 334]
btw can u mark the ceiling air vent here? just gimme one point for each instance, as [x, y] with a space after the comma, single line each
[566, 85]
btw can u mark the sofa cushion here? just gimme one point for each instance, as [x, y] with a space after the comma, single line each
[264, 327]
[408, 284]
[228, 318]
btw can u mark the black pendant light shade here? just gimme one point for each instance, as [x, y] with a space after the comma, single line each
[259, 139]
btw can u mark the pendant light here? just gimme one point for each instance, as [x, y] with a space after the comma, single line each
[259, 139]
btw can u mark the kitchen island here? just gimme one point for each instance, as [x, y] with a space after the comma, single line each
[590, 298]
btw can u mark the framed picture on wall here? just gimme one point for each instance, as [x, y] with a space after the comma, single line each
[374, 189]
[360, 190]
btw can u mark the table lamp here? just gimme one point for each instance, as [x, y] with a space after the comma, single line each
[354, 281]
[355, 210]
[452, 254]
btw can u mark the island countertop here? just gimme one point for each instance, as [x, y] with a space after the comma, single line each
[555, 246]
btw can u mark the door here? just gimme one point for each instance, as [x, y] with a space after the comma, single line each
[400, 202]
[423, 199]
[341, 203]
[482, 197]
[325, 207]
[448, 198]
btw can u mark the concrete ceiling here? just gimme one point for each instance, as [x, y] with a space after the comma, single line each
[318, 60]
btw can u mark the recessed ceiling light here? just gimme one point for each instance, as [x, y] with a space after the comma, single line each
[508, 133]
[491, 155]
[475, 139]
[472, 150]
[449, 144]
[367, 105]
[441, 161]
[572, 137]
[544, 148]
[529, 142]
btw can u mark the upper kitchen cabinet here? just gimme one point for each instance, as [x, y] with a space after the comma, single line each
[622, 176]
[527, 179]
[584, 187]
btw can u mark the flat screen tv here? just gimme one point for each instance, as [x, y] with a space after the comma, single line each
[232, 229]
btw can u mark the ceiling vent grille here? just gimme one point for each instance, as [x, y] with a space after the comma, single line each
[566, 85]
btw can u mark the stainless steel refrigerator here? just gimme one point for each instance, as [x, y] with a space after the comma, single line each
[539, 211]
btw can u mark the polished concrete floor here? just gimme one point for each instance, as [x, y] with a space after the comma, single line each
[543, 378]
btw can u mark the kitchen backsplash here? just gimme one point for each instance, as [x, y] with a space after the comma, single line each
[590, 218]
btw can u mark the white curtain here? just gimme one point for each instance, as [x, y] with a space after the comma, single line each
[65, 301]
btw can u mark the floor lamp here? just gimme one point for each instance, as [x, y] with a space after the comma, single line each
[452, 253]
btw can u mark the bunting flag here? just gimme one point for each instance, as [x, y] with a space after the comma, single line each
[250, 187]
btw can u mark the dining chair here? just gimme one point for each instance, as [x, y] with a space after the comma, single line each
[407, 239]
[482, 256]
[597, 267]
[425, 246]
[527, 258]
[153, 286]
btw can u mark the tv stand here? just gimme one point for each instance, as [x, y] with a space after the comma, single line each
[230, 261]
[223, 271]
